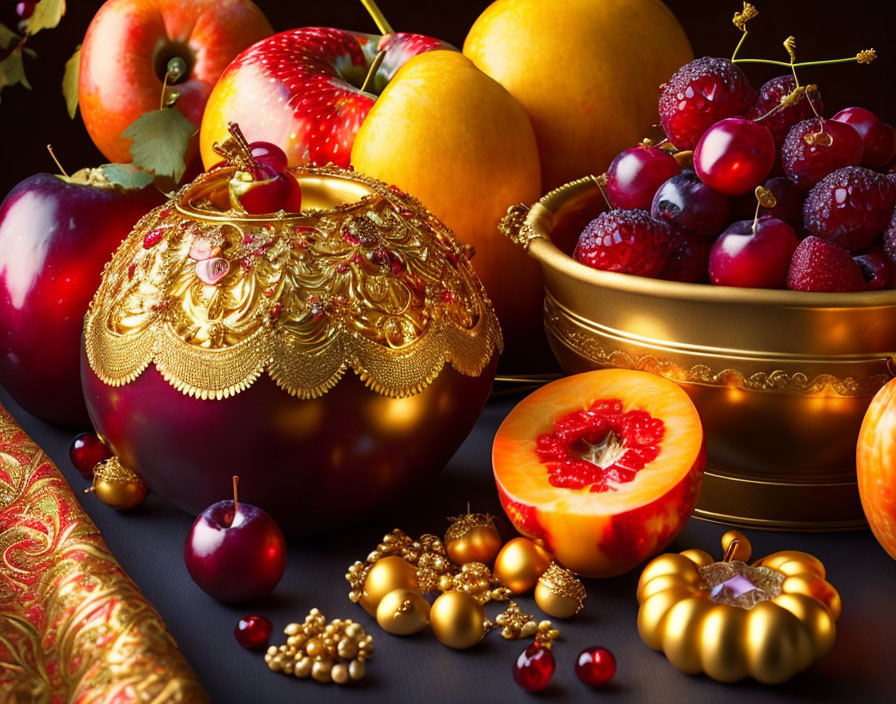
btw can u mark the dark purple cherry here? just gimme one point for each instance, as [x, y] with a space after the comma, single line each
[734, 155]
[753, 254]
[636, 173]
[689, 257]
[877, 269]
[688, 202]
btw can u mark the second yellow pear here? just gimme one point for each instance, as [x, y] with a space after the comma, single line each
[452, 137]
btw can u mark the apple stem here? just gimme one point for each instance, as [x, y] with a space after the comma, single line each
[236, 501]
[381, 22]
[729, 553]
[371, 72]
[58, 165]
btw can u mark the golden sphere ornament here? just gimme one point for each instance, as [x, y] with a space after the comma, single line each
[117, 486]
[769, 620]
[403, 612]
[472, 537]
[458, 620]
[520, 563]
[559, 593]
[385, 576]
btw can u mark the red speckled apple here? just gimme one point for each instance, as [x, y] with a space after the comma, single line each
[605, 467]
[127, 49]
[56, 233]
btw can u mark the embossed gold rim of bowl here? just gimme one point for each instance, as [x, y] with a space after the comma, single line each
[781, 378]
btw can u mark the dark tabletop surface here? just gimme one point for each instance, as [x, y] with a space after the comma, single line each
[149, 544]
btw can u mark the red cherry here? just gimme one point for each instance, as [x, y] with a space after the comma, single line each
[878, 138]
[780, 121]
[752, 258]
[701, 93]
[25, 9]
[814, 148]
[269, 154]
[253, 632]
[86, 452]
[268, 193]
[734, 155]
[595, 666]
[636, 173]
[534, 668]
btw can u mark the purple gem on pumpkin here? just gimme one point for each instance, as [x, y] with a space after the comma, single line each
[737, 585]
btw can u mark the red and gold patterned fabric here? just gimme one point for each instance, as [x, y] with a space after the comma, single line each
[74, 628]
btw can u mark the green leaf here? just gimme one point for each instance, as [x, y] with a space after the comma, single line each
[70, 82]
[12, 71]
[47, 14]
[160, 142]
[7, 37]
[126, 175]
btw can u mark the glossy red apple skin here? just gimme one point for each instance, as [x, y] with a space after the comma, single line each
[312, 464]
[55, 237]
[235, 556]
[125, 54]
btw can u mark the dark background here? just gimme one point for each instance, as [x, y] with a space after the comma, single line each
[823, 28]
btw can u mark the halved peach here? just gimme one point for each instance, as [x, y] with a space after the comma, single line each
[605, 467]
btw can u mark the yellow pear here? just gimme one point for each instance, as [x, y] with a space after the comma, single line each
[586, 71]
[452, 137]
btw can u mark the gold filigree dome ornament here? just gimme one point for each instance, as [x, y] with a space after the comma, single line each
[363, 308]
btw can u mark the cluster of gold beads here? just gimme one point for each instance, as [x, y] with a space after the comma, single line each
[477, 580]
[327, 652]
[515, 623]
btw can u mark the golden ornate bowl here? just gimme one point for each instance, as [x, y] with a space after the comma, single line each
[781, 379]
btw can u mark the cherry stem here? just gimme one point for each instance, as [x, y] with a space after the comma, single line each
[371, 72]
[600, 181]
[58, 165]
[801, 64]
[739, 44]
[378, 17]
[236, 502]
[756, 215]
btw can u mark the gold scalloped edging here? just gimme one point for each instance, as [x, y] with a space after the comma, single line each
[777, 380]
[378, 286]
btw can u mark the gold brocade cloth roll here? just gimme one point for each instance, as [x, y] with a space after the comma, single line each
[73, 626]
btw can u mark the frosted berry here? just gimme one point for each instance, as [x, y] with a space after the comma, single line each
[86, 452]
[734, 155]
[779, 122]
[627, 241]
[688, 258]
[850, 207]
[595, 666]
[814, 148]
[890, 238]
[688, 202]
[636, 173]
[878, 138]
[877, 269]
[253, 632]
[753, 255]
[700, 94]
[821, 265]
[534, 668]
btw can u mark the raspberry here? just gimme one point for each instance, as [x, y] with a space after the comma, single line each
[850, 207]
[815, 147]
[627, 241]
[780, 122]
[821, 265]
[689, 257]
[700, 94]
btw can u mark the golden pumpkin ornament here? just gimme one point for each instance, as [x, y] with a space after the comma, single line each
[385, 576]
[117, 486]
[559, 593]
[472, 537]
[458, 620]
[520, 563]
[729, 619]
[403, 612]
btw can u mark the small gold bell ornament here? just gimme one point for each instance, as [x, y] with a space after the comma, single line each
[117, 486]
[729, 619]
[472, 537]
[343, 352]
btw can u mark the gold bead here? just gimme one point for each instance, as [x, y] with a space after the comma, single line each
[457, 620]
[339, 673]
[402, 612]
[292, 629]
[387, 575]
[303, 667]
[321, 669]
[314, 647]
[559, 593]
[472, 538]
[356, 670]
[347, 648]
[520, 563]
[353, 630]
[742, 551]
